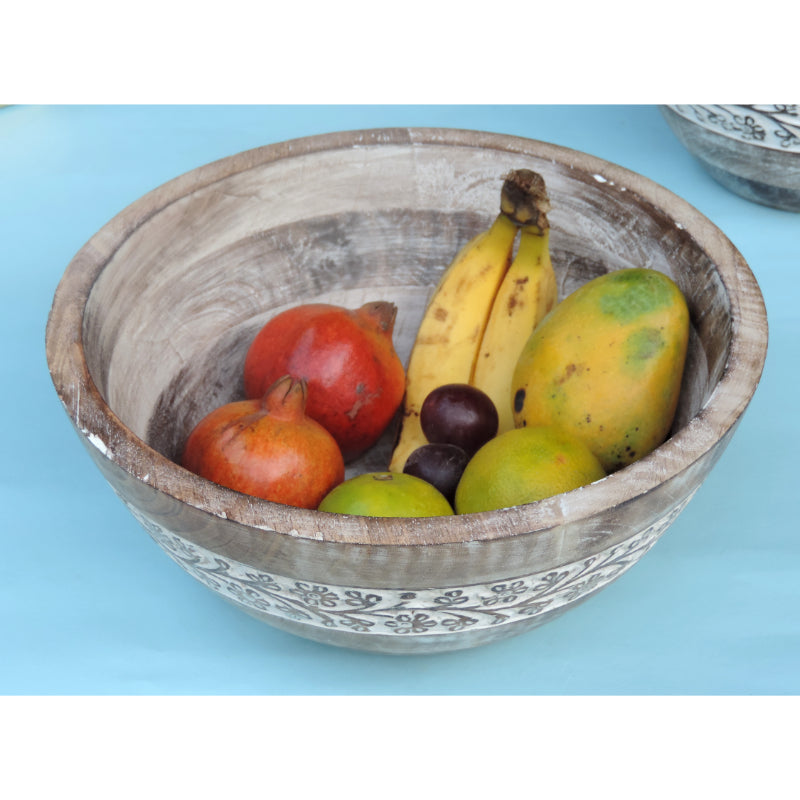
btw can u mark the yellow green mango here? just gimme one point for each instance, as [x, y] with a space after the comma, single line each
[606, 365]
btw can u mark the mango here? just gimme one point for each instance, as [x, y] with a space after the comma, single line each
[607, 364]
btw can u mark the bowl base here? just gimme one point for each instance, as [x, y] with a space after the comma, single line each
[755, 191]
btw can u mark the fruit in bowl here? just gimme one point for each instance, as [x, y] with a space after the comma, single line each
[596, 377]
[386, 494]
[482, 310]
[440, 464]
[525, 465]
[346, 356]
[267, 448]
[607, 365]
[139, 355]
[458, 414]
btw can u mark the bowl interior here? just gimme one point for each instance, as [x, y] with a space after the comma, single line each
[194, 269]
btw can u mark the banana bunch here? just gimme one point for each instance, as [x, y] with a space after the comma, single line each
[526, 295]
[452, 327]
[483, 309]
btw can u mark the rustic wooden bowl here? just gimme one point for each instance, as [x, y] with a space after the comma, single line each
[151, 321]
[752, 150]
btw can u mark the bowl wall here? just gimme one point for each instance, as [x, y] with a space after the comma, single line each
[153, 318]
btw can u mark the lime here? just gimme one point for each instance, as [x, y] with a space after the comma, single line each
[524, 465]
[386, 494]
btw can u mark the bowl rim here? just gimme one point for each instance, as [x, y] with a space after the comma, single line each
[682, 113]
[101, 429]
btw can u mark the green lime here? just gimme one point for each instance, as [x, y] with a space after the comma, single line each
[524, 465]
[386, 494]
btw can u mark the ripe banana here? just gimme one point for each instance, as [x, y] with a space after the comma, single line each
[451, 330]
[528, 292]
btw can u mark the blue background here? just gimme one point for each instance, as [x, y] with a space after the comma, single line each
[90, 605]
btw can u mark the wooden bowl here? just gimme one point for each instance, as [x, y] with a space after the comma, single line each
[151, 321]
[752, 150]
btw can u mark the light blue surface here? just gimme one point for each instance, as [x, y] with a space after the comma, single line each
[90, 605]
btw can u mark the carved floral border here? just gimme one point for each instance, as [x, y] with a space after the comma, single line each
[398, 612]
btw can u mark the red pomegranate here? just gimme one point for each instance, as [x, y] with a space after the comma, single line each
[267, 448]
[355, 378]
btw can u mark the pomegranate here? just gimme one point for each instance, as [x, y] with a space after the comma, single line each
[355, 378]
[267, 447]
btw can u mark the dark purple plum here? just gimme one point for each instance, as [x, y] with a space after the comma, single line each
[440, 465]
[459, 414]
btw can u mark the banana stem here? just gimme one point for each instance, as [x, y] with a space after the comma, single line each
[524, 200]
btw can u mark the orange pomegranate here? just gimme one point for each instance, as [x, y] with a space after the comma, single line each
[355, 378]
[267, 447]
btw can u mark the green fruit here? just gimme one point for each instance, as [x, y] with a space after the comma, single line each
[386, 494]
[524, 465]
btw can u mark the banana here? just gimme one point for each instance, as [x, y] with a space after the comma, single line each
[452, 327]
[528, 292]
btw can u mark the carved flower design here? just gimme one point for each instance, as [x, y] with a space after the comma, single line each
[315, 595]
[262, 582]
[455, 597]
[358, 599]
[504, 593]
[411, 623]
[356, 624]
[458, 623]
[405, 612]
